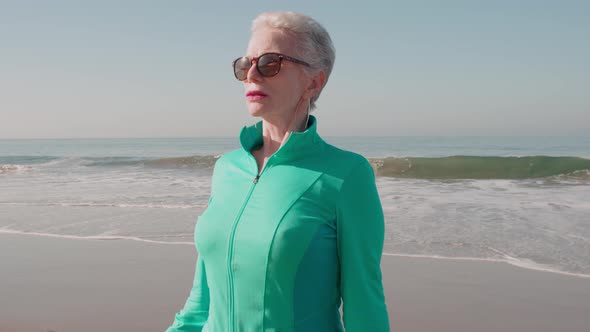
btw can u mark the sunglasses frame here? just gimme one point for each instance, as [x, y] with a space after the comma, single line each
[280, 56]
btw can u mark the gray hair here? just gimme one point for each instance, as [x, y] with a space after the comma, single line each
[314, 43]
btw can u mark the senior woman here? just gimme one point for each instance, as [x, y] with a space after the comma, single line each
[294, 226]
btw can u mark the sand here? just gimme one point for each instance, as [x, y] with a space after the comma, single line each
[69, 285]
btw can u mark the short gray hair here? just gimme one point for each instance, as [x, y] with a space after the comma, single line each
[314, 43]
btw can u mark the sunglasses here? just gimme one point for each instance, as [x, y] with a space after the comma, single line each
[268, 64]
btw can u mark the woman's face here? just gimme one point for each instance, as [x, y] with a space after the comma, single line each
[277, 96]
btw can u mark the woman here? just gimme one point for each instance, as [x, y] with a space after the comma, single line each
[294, 225]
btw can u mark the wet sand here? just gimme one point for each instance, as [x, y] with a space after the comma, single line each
[69, 285]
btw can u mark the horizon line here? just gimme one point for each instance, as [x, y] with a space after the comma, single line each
[236, 136]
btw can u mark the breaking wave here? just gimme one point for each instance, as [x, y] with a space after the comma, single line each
[479, 167]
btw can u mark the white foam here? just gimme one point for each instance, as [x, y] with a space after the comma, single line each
[13, 168]
[92, 237]
[522, 263]
[120, 205]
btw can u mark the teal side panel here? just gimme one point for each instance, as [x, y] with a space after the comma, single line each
[316, 295]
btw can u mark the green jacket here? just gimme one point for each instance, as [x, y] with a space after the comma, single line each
[279, 251]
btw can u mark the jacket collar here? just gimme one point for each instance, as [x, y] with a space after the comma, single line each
[297, 144]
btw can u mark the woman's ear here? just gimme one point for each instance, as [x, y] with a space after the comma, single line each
[317, 82]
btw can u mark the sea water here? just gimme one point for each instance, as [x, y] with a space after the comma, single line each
[523, 200]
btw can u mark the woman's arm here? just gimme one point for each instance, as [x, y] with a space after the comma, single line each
[360, 246]
[196, 309]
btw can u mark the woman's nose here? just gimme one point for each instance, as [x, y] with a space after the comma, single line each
[253, 74]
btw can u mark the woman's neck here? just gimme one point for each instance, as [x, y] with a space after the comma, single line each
[276, 131]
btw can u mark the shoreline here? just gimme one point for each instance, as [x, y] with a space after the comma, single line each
[510, 261]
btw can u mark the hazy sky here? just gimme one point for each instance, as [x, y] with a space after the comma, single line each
[162, 68]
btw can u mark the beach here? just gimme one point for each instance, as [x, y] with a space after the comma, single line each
[81, 285]
[97, 234]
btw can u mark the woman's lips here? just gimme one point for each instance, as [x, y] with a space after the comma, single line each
[255, 95]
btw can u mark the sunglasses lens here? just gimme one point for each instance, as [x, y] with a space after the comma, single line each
[269, 65]
[241, 67]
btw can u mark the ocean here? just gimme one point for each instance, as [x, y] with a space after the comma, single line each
[521, 200]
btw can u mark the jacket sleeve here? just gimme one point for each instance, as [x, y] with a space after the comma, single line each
[196, 309]
[361, 230]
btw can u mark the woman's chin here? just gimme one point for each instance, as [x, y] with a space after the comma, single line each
[256, 109]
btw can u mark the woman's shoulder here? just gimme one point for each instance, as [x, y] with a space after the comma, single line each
[344, 162]
[226, 159]
[231, 156]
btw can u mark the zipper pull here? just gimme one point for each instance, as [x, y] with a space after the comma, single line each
[256, 178]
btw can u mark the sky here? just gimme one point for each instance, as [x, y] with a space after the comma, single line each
[91, 69]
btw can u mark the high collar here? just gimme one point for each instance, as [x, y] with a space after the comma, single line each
[297, 144]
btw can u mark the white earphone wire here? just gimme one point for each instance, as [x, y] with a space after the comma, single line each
[308, 110]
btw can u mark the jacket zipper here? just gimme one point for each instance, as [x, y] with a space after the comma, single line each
[231, 245]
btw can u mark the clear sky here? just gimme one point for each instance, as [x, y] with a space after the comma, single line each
[162, 68]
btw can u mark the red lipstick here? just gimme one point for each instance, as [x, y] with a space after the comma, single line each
[255, 95]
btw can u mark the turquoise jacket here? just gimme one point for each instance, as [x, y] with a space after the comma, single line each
[280, 250]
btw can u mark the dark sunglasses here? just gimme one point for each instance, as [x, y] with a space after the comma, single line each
[268, 64]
